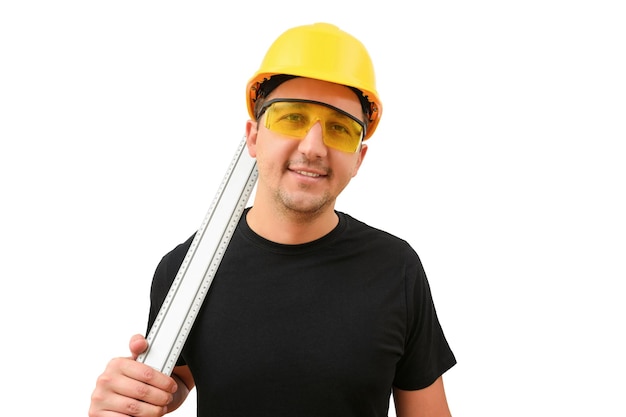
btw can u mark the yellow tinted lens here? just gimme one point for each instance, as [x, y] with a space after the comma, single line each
[342, 133]
[295, 119]
[289, 118]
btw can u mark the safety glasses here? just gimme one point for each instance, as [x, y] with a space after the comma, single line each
[295, 117]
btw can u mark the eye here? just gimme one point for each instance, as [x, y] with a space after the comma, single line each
[338, 128]
[293, 118]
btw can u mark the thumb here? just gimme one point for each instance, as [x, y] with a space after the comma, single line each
[137, 345]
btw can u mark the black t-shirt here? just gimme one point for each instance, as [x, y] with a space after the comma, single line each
[324, 328]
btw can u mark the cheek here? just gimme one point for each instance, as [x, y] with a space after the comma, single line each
[345, 172]
[269, 153]
[274, 149]
[354, 167]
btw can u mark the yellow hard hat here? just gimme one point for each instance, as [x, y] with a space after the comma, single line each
[324, 52]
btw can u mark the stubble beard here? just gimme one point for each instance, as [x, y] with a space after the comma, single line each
[301, 205]
[303, 208]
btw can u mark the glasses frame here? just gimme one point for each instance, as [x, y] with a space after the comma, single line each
[267, 105]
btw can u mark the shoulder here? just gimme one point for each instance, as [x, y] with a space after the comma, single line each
[170, 264]
[375, 237]
[389, 251]
[179, 251]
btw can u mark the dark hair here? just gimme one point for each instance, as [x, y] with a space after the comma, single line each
[266, 87]
[269, 84]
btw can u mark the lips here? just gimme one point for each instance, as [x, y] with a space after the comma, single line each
[308, 174]
[306, 169]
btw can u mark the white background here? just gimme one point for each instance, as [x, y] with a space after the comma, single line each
[500, 157]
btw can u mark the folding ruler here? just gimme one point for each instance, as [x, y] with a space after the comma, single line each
[173, 323]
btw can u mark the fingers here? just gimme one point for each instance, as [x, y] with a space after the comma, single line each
[114, 405]
[143, 373]
[131, 388]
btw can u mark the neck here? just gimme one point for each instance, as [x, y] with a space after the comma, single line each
[290, 228]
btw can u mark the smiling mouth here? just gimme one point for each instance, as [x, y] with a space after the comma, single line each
[308, 174]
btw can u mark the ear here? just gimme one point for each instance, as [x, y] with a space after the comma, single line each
[251, 135]
[361, 152]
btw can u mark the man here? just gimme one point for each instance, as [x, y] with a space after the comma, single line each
[312, 312]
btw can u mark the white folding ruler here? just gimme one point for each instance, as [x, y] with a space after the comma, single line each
[173, 323]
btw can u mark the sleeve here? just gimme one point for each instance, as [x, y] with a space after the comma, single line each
[427, 354]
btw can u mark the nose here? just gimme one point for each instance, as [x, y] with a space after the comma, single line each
[312, 144]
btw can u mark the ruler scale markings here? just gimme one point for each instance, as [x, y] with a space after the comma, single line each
[184, 299]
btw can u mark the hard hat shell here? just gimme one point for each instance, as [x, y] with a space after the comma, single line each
[321, 51]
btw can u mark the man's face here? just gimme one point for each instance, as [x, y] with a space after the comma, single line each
[304, 175]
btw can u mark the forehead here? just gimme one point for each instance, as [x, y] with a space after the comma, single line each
[336, 95]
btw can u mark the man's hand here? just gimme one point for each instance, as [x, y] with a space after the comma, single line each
[130, 388]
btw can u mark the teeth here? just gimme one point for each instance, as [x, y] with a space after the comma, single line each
[308, 174]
